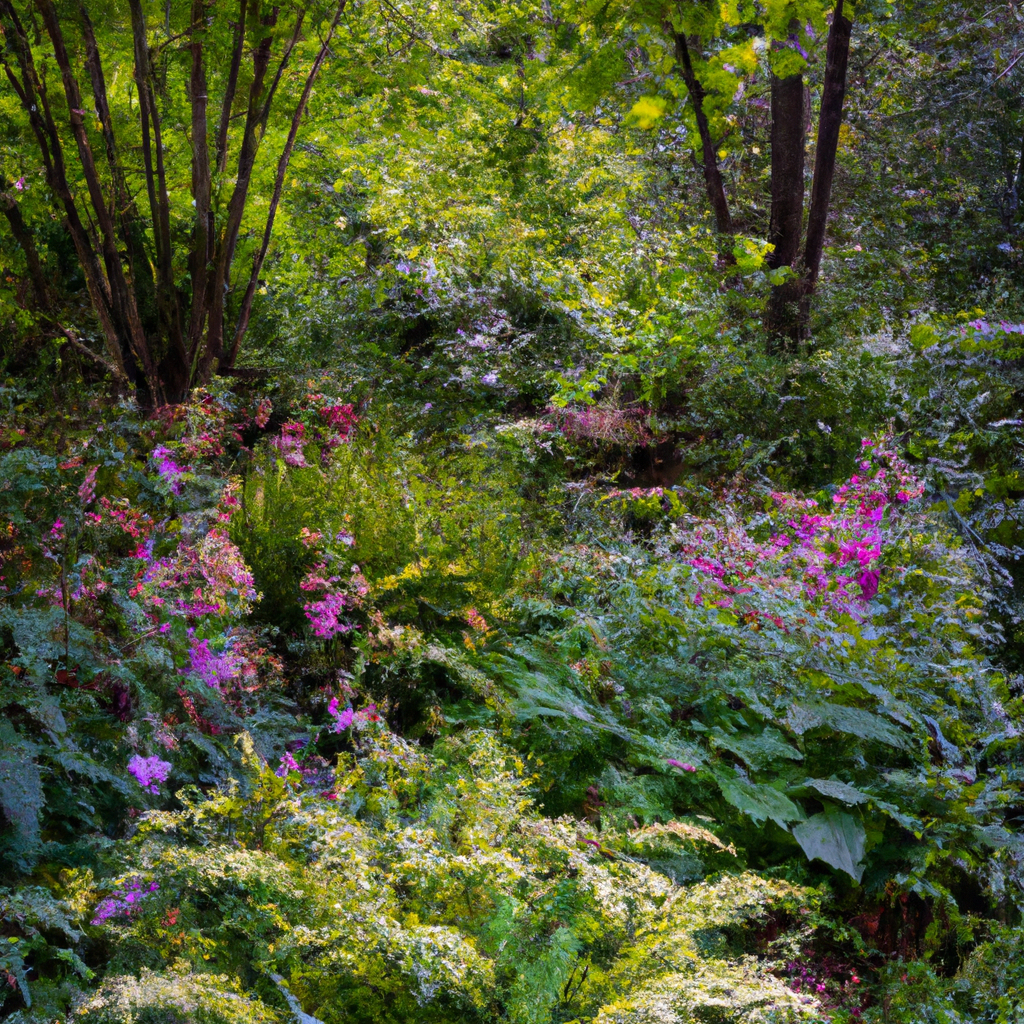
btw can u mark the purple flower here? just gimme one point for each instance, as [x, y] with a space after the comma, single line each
[122, 902]
[168, 469]
[211, 667]
[344, 719]
[149, 772]
[288, 764]
[681, 764]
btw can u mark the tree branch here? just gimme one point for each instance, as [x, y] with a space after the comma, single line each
[282, 169]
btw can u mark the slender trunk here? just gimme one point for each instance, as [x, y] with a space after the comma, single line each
[125, 207]
[23, 236]
[33, 97]
[229, 92]
[217, 289]
[202, 234]
[712, 175]
[830, 120]
[174, 361]
[788, 139]
[282, 169]
[123, 305]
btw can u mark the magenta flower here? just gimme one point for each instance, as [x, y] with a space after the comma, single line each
[344, 720]
[211, 667]
[123, 902]
[681, 764]
[149, 772]
[168, 469]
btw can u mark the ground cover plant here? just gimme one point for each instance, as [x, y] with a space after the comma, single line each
[474, 548]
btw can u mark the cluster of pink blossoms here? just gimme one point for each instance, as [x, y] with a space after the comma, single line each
[347, 718]
[291, 443]
[124, 902]
[209, 577]
[323, 422]
[816, 555]
[337, 594]
[214, 668]
[149, 772]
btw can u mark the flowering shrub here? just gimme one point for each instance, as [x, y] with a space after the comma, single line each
[206, 576]
[814, 554]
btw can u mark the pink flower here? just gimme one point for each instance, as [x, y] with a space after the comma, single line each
[263, 411]
[87, 490]
[344, 719]
[149, 772]
[680, 764]
[168, 469]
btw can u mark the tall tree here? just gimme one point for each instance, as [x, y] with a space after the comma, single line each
[170, 294]
[789, 306]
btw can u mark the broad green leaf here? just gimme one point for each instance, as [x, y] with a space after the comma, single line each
[760, 750]
[760, 802]
[836, 790]
[836, 837]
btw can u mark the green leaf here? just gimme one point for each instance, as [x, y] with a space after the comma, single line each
[836, 790]
[647, 110]
[759, 802]
[836, 837]
[758, 751]
[841, 718]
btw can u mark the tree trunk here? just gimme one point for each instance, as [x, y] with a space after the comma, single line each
[788, 139]
[23, 236]
[157, 336]
[830, 120]
[712, 175]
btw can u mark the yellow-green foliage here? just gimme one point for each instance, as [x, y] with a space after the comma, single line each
[173, 998]
[429, 889]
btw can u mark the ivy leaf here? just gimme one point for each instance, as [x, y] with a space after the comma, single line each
[836, 837]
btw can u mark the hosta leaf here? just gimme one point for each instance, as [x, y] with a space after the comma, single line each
[841, 718]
